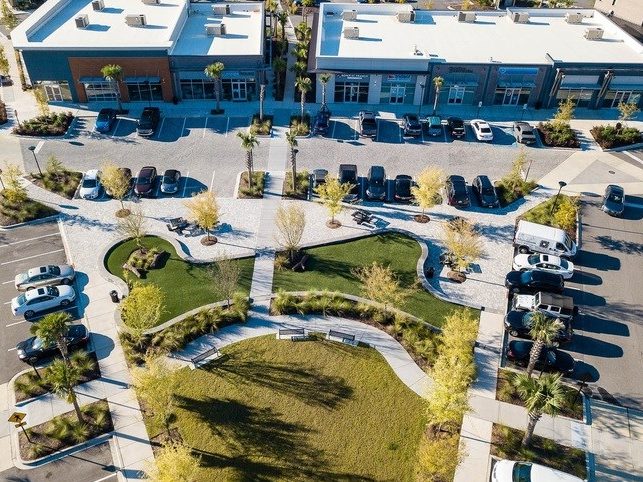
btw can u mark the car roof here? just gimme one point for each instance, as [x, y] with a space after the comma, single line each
[376, 171]
[170, 172]
[549, 258]
[348, 167]
[38, 270]
[77, 329]
[455, 178]
[31, 294]
[566, 302]
[91, 174]
[455, 119]
[403, 177]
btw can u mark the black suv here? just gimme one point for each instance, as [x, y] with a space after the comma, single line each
[411, 125]
[34, 349]
[456, 127]
[457, 194]
[376, 183]
[485, 192]
[348, 173]
[518, 324]
[532, 281]
[144, 185]
[148, 121]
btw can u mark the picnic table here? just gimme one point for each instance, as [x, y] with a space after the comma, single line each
[177, 224]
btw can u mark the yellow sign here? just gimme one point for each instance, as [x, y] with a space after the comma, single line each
[17, 417]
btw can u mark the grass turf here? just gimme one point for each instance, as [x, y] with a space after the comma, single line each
[330, 268]
[315, 410]
[186, 286]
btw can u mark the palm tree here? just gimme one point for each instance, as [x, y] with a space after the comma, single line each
[271, 7]
[248, 142]
[540, 395]
[52, 329]
[291, 138]
[279, 65]
[543, 331]
[324, 79]
[214, 71]
[282, 18]
[306, 5]
[62, 377]
[304, 85]
[114, 73]
[437, 83]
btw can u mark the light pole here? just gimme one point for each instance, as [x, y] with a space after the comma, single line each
[422, 86]
[528, 168]
[524, 109]
[1, 181]
[561, 185]
[15, 113]
[33, 151]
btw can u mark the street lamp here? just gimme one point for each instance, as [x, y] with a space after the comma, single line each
[422, 86]
[1, 181]
[561, 185]
[33, 151]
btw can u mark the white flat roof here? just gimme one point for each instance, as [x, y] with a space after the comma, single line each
[437, 36]
[52, 26]
[243, 25]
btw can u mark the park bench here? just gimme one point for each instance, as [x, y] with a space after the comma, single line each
[177, 224]
[341, 336]
[362, 216]
[197, 360]
[301, 265]
[295, 334]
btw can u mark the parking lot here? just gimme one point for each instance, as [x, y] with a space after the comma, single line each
[23, 248]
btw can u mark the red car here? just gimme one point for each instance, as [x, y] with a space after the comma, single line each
[145, 179]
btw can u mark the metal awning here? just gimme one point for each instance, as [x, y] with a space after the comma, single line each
[516, 84]
[92, 80]
[625, 87]
[142, 80]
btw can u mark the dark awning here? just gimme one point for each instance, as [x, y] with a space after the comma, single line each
[142, 80]
[91, 80]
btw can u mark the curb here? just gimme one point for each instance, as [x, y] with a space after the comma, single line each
[638, 145]
[33, 221]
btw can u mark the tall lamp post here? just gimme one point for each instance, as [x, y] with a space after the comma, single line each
[422, 86]
[561, 185]
[1, 181]
[33, 151]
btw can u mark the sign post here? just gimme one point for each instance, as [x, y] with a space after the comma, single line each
[18, 419]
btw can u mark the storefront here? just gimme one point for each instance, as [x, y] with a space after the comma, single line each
[144, 89]
[623, 88]
[99, 89]
[459, 88]
[236, 86]
[351, 88]
[582, 89]
[515, 85]
[398, 89]
[55, 91]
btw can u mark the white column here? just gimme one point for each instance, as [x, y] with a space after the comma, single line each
[421, 79]
[374, 89]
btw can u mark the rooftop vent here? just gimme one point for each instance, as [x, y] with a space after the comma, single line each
[135, 20]
[349, 15]
[593, 33]
[575, 17]
[406, 17]
[221, 9]
[351, 32]
[520, 17]
[98, 5]
[151, 2]
[217, 30]
[468, 17]
[82, 21]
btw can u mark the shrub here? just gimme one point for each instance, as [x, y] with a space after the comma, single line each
[3, 112]
[299, 127]
[258, 181]
[558, 134]
[609, 137]
[53, 124]
[261, 128]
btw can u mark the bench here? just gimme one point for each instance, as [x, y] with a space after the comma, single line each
[131, 268]
[362, 216]
[295, 334]
[301, 265]
[343, 337]
[196, 361]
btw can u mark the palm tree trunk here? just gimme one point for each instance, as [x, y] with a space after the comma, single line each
[324, 95]
[435, 101]
[118, 97]
[293, 163]
[529, 433]
[217, 94]
[249, 168]
[74, 401]
[62, 346]
[303, 100]
[534, 355]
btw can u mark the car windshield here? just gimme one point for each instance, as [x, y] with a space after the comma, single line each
[22, 299]
[533, 259]
[617, 198]
[89, 183]
[568, 242]
[168, 179]
[486, 130]
[52, 291]
[39, 344]
[55, 270]
[564, 264]
[103, 116]
[521, 472]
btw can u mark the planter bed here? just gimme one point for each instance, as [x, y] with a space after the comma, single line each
[64, 183]
[259, 180]
[611, 137]
[551, 138]
[507, 197]
[302, 129]
[303, 185]
[258, 129]
[540, 214]
[54, 124]
[23, 212]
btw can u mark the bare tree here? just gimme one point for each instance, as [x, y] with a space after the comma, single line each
[225, 276]
[381, 284]
[134, 226]
[291, 222]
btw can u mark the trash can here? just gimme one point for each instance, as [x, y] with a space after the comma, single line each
[114, 296]
[430, 272]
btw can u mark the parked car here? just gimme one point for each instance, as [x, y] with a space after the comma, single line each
[145, 179]
[319, 177]
[5, 80]
[518, 323]
[105, 120]
[170, 181]
[376, 183]
[321, 123]
[435, 125]
[403, 185]
[614, 200]
[544, 262]
[34, 349]
[482, 130]
[551, 359]
[533, 281]
[552, 304]
[41, 299]
[367, 124]
[485, 192]
[456, 127]
[127, 174]
[45, 276]
[510, 471]
[148, 121]
[348, 173]
[457, 194]
[90, 185]
[525, 133]
[538, 238]
[411, 125]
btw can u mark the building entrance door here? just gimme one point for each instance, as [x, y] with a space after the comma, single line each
[511, 97]
[239, 90]
[351, 93]
[397, 94]
[456, 94]
[624, 96]
[53, 93]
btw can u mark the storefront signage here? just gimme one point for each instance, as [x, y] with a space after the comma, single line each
[248, 75]
[518, 71]
[399, 78]
[352, 77]
[460, 70]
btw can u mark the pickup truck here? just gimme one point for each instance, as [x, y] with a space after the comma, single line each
[367, 124]
[558, 306]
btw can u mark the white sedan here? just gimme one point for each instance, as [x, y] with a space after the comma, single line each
[482, 130]
[510, 471]
[90, 185]
[544, 262]
[41, 299]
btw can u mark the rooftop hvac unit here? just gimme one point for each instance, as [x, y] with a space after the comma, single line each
[520, 17]
[575, 17]
[468, 17]
[151, 2]
[221, 9]
[135, 20]
[82, 21]
[351, 32]
[349, 15]
[406, 17]
[98, 5]
[594, 33]
[215, 30]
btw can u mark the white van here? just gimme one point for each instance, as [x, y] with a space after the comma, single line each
[538, 238]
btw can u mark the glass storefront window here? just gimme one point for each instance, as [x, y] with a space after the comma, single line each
[144, 91]
[351, 92]
[56, 91]
[397, 93]
[614, 97]
[232, 89]
[100, 91]
[582, 97]
[511, 96]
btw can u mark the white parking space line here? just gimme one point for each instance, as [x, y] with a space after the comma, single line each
[332, 135]
[7, 282]
[105, 478]
[399, 131]
[30, 257]
[185, 186]
[212, 181]
[26, 240]
[632, 156]
[185, 119]
[13, 349]
[115, 129]
[7, 303]
[16, 323]
[39, 146]
[356, 130]
[205, 127]
[227, 126]
[158, 136]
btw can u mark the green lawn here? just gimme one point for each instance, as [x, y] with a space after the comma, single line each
[316, 410]
[186, 285]
[330, 268]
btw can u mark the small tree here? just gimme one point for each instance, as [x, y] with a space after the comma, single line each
[8, 17]
[566, 212]
[438, 82]
[438, 458]
[248, 142]
[331, 193]
[291, 138]
[174, 462]
[14, 191]
[114, 73]
[133, 226]
[306, 6]
[52, 329]
[544, 332]
[514, 181]
[63, 376]
[282, 18]
[54, 169]
[204, 211]
[540, 395]
[226, 273]
[142, 309]
[324, 79]
[279, 66]
[380, 284]
[464, 243]
[627, 110]
[565, 112]
[271, 8]
[117, 182]
[41, 100]
[4, 62]
[291, 222]
[303, 84]
[429, 183]
[214, 72]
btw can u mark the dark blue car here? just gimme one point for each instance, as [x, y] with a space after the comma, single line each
[105, 120]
